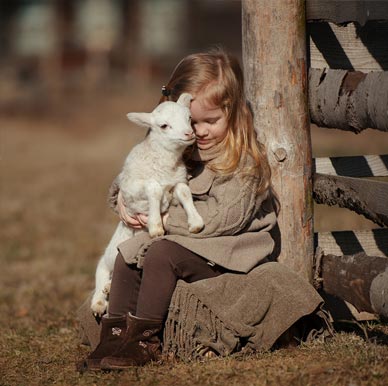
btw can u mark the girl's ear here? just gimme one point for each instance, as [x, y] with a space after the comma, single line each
[142, 119]
[185, 99]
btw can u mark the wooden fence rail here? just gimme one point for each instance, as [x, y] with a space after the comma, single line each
[365, 197]
[358, 279]
[341, 11]
[348, 100]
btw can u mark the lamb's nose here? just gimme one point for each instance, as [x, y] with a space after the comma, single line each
[190, 134]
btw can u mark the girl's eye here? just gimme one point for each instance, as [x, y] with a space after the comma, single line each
[163, 126]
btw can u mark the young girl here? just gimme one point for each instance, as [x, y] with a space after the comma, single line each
[229, 177]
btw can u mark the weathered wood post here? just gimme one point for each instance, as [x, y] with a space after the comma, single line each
[274, 57]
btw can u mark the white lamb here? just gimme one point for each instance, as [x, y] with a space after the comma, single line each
[153, 174]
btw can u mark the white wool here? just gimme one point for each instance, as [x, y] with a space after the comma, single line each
[153, 174]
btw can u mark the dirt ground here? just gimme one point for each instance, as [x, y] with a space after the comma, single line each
[55, 171]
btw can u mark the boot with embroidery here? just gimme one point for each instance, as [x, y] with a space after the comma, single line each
[141, 345]
[112, 334]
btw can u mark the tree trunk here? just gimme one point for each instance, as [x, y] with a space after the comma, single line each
[274, 56]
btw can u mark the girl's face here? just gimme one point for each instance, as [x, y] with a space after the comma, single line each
[209, 123]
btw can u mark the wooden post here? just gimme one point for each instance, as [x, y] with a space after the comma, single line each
[274, 57]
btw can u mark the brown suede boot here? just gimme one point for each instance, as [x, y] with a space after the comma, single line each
[112, 335]
[141, 345]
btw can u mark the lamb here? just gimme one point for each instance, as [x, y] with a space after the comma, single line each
[152, 176]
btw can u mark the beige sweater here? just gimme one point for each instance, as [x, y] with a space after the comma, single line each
[237, 221]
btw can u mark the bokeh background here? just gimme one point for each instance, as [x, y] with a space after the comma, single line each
[54, 48]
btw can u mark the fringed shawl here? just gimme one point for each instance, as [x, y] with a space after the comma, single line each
[234, 312]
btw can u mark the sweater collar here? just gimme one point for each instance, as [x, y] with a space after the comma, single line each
[207, 155]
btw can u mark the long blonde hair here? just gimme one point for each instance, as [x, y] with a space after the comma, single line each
[218, 76]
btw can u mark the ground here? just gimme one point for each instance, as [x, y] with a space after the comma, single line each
[55, 171]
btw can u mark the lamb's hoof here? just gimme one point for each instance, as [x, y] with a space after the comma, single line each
[196, 226]
[99, 307]
[156, 231]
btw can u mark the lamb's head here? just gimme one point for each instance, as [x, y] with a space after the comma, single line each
[170, 122]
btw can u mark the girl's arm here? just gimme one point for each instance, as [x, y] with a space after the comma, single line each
[116, 202]
[113, 195]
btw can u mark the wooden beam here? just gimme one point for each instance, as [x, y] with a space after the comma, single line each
[347, 100]
[341, 11]
[349, 47]
[358, 279]
[372, 242]
[353, 166]
[365, 197]
[274, 57]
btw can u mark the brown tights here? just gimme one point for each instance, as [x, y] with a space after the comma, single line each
[147, 293]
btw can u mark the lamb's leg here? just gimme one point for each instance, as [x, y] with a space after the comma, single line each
[99, 301]
[183, 194]
[154, 195]
[105, 267]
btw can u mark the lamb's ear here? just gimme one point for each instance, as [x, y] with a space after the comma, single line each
[142, 119]
[185, 99]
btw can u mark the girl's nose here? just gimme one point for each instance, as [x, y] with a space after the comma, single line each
[200, 130]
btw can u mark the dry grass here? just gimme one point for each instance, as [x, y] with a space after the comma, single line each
[54, 177]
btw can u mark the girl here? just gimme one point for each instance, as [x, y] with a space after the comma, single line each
[229, 177]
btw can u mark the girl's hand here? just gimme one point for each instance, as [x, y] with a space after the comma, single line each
[139, 221]
[164, 219]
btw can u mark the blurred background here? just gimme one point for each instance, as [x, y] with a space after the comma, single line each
[56, 51]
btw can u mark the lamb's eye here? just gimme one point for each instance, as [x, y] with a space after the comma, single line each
[164, 126]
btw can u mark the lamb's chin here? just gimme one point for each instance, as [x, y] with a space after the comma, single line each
[186, 142]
